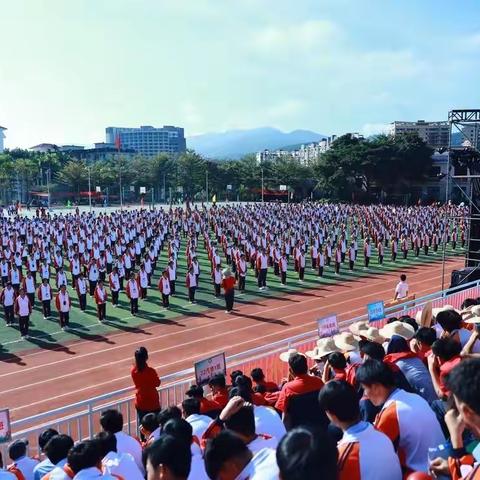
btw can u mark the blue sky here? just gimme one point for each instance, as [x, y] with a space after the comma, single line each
[69, 68]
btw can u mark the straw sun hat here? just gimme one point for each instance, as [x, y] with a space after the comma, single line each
[401, 329]
[324, 347]
[285, 356]
[474, 315]
[358, 327]
[373, 334]
[346, 342]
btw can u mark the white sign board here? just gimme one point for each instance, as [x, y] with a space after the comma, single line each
[143, 190]
[283, 188]
[5, 429]
[98, 189]
[229, 187]
[327, 326]
[208, 368]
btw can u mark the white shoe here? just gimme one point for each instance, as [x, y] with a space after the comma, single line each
[45, 318]
[63, 329]
[23, 337]
[226, 311]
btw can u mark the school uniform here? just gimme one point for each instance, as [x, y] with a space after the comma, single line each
[114, 282]
[133, 292]
[164, 287]
[44, 293]
[217, 281]
[29, 286]
[7, 299]
[262, 268]
[142, 280]
[172, 276]
[101, 296]
[191, 281]
[63, 304]
[23, 309]
[82, 293]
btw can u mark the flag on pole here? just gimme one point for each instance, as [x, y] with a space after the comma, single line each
[118, 142]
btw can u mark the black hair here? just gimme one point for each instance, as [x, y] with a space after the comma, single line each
[257, 375]
[218, 381]
[57, 448]
[234, 375]
[469, 302]
[392, 319]
[426, 335]
[373, 350]
[341, 399]
[298, 364]
[107, 442]
[375, 371]
[172, 453]
[242, 422]
[403, 277]
[243, 391]
[244, 382]
[464, 382]
[195, 391]
[337, 360]
[303, 455]
[446, 348]
[111, 420]
[84, 455]
[150, 422]
[179, 428]
[397, 344]
[449, 320]
[141, 357]
[17, 450]
[191, 406]
[411, 321]
[167, 413]
[45, 436]
[1, 460]
[225, 446]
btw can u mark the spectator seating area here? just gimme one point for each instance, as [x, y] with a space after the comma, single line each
[401, 401]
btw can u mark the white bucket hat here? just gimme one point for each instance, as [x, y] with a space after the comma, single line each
[401, 329]
[346, 341]
[324, 347]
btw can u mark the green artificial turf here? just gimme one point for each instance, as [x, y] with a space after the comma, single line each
[46, 334]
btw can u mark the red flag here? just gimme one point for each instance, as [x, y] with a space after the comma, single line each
[118, 142]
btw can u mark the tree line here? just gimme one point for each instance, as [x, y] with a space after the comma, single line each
[354, 169]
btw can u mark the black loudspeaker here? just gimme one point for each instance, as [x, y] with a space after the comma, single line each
[464, 276]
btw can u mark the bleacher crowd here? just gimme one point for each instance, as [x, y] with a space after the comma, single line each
[400, 402]
[96, 258]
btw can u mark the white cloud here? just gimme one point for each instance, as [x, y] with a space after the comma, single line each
[370, 129]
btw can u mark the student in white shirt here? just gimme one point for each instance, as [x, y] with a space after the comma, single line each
[112, 421]
[191, 413]
[23, 308]
[168, 457]
[227, 456]
[114, 463]
[362, 450]
[7, 299]
[44, 294]
[401, 290]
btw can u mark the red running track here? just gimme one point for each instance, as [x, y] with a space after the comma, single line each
[39, 380]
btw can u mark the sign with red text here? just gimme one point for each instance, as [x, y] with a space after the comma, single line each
[327, 326]
[208, 368]
[5, 429]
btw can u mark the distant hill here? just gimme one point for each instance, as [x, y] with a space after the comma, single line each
[234, 144]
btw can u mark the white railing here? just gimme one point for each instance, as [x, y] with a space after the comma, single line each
[81, 419]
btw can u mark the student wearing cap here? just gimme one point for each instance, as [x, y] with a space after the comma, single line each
[23, 308]
[364, 452]
[164, 287]
[22, 463]
[44, 294]
[320, 353]
[228, 285]
[7, 299]
[63, 304]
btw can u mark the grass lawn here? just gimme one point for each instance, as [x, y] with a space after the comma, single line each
[47, 334]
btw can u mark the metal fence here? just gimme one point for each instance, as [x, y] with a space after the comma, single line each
[81, 419]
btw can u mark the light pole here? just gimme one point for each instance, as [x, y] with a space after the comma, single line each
[120, 183]
[206, 186]
[89, 189]
[262, 186]
[48, 188]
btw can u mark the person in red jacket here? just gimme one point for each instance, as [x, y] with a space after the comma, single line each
[63, 303]
[228, 284]
[146, 381]
[100, 295]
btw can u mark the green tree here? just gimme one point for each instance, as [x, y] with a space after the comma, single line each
[74, 175]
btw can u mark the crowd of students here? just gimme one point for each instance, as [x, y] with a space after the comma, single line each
[400, 402]
[110, 254]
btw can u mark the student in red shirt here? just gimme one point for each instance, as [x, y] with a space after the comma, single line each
[258, 378]
[228, 284]
[218, 385]
[206, 406]
[301, 383]
[146, 381]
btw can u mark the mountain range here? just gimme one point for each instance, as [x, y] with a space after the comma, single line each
[234, 144]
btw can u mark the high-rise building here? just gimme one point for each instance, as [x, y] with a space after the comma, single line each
[434, 134]
[148, 140]
[2, 136]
